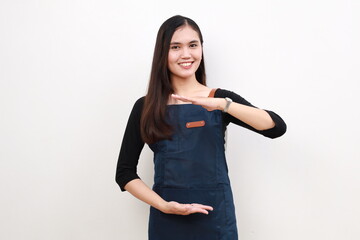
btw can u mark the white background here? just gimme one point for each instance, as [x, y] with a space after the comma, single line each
[70, 72]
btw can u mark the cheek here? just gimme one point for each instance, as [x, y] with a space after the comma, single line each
[172, 56]
[198, 54]
[172, 60]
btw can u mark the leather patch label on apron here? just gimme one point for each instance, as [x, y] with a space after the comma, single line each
[195, 124]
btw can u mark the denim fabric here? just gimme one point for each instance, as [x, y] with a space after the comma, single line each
[191, 168]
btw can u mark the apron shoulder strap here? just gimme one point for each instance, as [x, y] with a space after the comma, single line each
[212, 92]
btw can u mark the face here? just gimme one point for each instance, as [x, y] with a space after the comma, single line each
[185, 53]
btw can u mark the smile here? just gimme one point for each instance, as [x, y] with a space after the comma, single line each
[185, 64]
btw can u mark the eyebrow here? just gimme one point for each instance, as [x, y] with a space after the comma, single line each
[179, 43]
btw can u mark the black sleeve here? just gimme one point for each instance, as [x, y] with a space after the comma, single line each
[278, 130]
[131, 147]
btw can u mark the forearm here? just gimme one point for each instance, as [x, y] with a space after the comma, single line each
[257, 118]
[242, 110]
[141, 191]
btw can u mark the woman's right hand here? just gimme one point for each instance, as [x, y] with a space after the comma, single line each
[141, 191]
[185, 209]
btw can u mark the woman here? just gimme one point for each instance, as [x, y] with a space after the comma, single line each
[183, 121]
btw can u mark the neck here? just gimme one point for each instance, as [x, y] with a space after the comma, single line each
[183, 86]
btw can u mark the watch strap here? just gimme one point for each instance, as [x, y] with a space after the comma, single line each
[228, 102]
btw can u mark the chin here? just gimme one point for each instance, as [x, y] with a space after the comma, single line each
[185, 76]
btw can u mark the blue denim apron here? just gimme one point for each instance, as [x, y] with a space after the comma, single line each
[191, 168]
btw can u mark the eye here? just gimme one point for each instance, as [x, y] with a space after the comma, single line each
[193, 45]
[174, 47]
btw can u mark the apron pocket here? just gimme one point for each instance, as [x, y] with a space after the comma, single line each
[189, 169]
[194, 226]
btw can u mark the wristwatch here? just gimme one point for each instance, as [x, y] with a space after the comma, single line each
[228, 102]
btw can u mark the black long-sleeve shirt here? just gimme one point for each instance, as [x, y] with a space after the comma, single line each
[132, 143]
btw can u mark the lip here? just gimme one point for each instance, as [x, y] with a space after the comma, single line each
[188, 64]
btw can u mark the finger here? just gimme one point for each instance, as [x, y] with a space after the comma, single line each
[187, 209]
[203, 206]
[199, 210]
[182, 98]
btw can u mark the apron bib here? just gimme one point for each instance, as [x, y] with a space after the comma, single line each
[191, 168]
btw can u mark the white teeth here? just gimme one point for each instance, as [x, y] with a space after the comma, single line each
[185, 64]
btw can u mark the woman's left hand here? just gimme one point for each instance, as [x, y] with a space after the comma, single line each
[208, 103]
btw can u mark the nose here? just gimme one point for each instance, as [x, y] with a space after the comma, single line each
[186, 53]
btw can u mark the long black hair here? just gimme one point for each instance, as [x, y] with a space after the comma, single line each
[153, 124]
